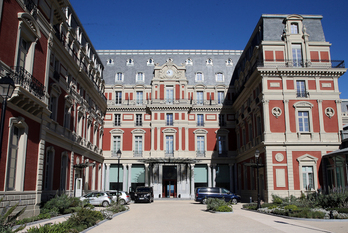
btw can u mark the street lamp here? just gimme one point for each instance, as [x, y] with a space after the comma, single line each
[257, 155]
[118, 154]
[7, 87]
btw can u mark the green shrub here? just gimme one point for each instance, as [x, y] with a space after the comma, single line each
[224, 208]
[84, 218]
[291, 207]
[34, 218]
[60, 205]
[117, 208]
[52, 228]
[339, 210]
[276, 199]
[214, 204]
[251, 206]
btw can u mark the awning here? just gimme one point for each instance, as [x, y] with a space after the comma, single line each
[336, 152]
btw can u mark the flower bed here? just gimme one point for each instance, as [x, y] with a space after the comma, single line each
[218, 205]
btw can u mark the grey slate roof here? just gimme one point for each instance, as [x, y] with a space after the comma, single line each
[141, 57]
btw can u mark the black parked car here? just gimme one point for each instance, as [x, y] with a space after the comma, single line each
[143, 194]
[203, 193]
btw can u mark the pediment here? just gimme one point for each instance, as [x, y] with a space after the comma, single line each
[116, 131]
[307, 158]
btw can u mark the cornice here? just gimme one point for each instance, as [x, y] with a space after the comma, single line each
[301, 72]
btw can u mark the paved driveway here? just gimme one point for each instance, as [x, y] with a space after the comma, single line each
[172, 215]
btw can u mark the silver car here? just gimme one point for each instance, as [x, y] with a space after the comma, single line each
[124, 196]
[97, 198]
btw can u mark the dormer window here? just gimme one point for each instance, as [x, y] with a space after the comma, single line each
[110, 62]
[209, 62]
[199, 77]
[294, 28]
[229, 62]
[189, 62]
[140, 77]
[150, 62]
[119, 77]
[219, 77]
[130, 62]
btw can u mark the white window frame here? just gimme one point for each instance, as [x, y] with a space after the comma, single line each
[118, 97]
[19, 169]
[49, 168]
[200, 97]
[221, 97]
[54, 97]
[209, 62]
[116, 142]
[140, 77]
[119, 77]
[200, 133]
[219, 77]
[189, 62]
[139, 97]
[308, 161]
[169, 132]
[117, 119]
[150, 62]
[138, 119]
[116, 132]
[303, 106]
[294, 28]
[199, 77]
[63, 171]
[169, 122]
[297, 56]
[130, 62]
[200, 119]
[169, 95]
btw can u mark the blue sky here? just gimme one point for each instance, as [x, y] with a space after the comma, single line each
[201, 24]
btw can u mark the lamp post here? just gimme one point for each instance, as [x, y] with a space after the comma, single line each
[257, 155]
[118, 153]
[7, 87]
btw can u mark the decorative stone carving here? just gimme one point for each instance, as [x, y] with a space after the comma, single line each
[329, 112]
[279, 157]
[276, 111]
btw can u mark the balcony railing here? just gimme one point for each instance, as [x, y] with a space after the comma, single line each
[302, 63]
[200, 153]
[164, 101]
[303, 94]
[200, 123]
[169, 153]
[138, 123]
[223, 153]
[24, 79]
[137, 154]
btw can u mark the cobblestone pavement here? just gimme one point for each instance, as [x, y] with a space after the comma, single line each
[172, 215]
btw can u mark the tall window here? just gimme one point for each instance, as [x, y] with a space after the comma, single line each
[221, 97]
[138, 146]
[53, 107]
[301, 88]
[199, 77]
[219, 77]
[169, 120]
[119, 77]
[294, 28]
[169, 145]
[138, 120]
[12, 159]
[250, 132]
[200, 120]
[22, 52]
[258, 122]
[169, 95]
[63, 172]
[308, 177]
[116, 143]
[296, 55]
[140, 77]
[221, 120]
[200, 146]
[303, 121]
[118, 97]
[199, 97]
[49, 169]
[67, 116]
[117, 120]
[222, 145]
[139, 97]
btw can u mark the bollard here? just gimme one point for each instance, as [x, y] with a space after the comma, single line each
[251, 200]
[331, 215]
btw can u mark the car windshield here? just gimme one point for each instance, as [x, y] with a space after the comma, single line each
[143, 190]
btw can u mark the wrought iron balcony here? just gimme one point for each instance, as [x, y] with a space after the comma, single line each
[24, 79]
[138, 123]
[301, 63]
[303, 94]
[200, 123]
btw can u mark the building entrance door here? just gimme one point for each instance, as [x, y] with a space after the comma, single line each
[169, 181]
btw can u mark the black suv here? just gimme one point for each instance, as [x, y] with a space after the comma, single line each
[143, 194]
[203, 193]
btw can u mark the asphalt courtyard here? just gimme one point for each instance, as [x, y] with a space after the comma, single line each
[175, 215]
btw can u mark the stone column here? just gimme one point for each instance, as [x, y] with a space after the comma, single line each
[180, 138]
[129, 176]
[321, 118]
[192, 173]
[107, 177]
[266, 118]
[160, 178]
[124, 181]
[178, 179]
[209, 174]
[86, 176]
[214, 175]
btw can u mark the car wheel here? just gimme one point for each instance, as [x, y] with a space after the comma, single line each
[105, 204]
[234, 201]
[122, 202]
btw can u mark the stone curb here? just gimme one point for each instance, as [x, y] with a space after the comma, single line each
[47, 220]
[304, 219]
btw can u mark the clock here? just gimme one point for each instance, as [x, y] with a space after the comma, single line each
[169, 73]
